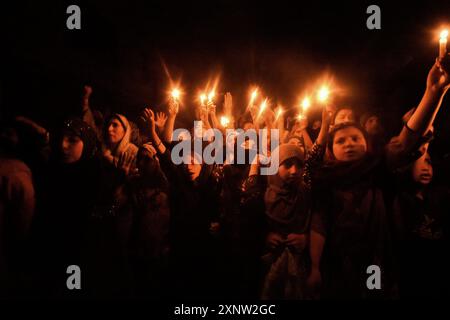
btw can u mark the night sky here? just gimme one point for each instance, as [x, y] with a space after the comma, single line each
[281, 46]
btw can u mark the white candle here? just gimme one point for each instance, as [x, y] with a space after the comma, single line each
[443, 43]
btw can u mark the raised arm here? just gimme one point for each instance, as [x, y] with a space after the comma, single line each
[438, 82]
[170, 123]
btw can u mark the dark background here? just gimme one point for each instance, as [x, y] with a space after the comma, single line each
[281, 45]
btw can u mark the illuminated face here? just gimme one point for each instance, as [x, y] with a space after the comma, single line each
[422, 170]
[349, 144]
[373, 125]
[71, 148]
[344, 115]
[290, 170]
[193, 168]
[316, 124]
[116, 131]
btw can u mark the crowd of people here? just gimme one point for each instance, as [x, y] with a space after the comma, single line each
[103, 193]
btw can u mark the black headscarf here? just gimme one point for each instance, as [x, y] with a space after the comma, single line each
[86, 133]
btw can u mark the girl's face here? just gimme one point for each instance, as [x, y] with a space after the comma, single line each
[349, 144]
[71, 148]
[373, 125]
[193, 168]
[116, 131]
[344, 115]
[422, 170]
[290, 170]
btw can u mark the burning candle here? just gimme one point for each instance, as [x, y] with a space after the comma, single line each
[176, 94]
[253, 96]
[203, 99]
[443, 43]
[211, 97]
[323, 94]
[224, 121]
[306, 103]
[262, 107]
[279, 113]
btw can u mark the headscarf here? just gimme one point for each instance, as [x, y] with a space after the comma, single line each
[124, 146]
[286, 204]
[76, 126]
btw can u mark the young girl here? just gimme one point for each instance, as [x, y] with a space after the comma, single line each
[422, 229]
[288, 215]
[353, 196]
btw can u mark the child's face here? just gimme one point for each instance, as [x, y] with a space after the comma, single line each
[344, 115]
[71, 148]
[422, 170]
[349, 144]
[290, 170]
[373, 125]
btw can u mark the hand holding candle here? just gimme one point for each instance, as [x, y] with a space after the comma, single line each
[443, 43]
[211, 96]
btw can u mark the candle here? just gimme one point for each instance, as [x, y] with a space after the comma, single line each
[253, 96]
[279, 113]
[306, 103]
[443, 43]
[323, 94]
[211, 97]
[224, 121]
[202, 99]
[176, 94]
[262, 107]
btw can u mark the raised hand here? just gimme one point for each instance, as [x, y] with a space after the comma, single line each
[438, 77]
[211, 109]
[228, 104]
[161, 119]
[174, 107]
[149, 117]
[87, 91]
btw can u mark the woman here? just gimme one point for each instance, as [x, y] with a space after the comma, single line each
[194, 207]
[68, 200]
[143, 225]
[118, 148]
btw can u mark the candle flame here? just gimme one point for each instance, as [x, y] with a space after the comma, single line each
[176, 94]
[306, 103]
[262, 107]
[323, 94]
[444, 34]
[211, 96]
[279, 112]
[253, 96]
[202, 98]
[224, 121]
